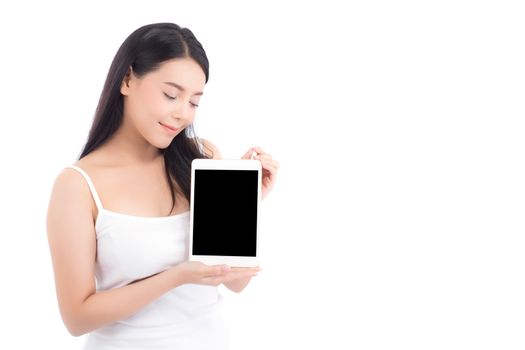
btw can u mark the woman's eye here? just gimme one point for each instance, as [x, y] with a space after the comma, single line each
[168, 96]
[172, 98]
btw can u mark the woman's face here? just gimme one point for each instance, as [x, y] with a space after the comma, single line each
[164, 98]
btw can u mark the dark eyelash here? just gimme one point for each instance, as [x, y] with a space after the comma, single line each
[172, 98]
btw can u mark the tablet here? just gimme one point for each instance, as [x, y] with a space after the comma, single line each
[224, 211]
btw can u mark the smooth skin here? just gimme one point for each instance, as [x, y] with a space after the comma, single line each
[128, 173]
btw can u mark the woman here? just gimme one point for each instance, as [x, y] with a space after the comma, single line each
[118, 219]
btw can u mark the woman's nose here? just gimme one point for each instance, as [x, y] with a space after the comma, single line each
[181, 112]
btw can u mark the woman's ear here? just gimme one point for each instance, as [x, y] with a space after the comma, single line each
[124, 87]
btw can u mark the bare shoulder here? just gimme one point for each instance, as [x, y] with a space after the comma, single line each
[210, 149]
[70, 181]
[71, 191]
[69, 188]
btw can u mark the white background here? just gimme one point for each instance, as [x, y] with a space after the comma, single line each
[397, 218]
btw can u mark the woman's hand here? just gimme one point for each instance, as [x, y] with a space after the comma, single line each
[239, 278]
[270, 168]
[196, 272]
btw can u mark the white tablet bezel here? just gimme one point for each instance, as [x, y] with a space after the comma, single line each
[226, 164]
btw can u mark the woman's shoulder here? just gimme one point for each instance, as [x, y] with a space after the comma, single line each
[73, 179]
[70, 186]
[210, 149]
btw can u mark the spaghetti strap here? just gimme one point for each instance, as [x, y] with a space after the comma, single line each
[90, 184]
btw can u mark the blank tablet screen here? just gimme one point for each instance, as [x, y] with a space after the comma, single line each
[225, 212]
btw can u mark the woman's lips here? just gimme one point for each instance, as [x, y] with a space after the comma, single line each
[169, 128]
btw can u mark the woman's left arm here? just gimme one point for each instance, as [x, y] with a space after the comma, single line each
[270, 168]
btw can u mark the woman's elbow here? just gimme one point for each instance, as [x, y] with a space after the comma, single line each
[74, 323]
[74, 328]
[74, 331]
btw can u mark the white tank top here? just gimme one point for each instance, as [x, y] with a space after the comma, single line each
[133, 247]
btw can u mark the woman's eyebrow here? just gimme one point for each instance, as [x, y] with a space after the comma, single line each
[180, 87]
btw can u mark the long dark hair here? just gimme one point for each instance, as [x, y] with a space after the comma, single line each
[144, 50]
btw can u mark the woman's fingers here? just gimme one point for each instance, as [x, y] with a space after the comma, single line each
[258, 149]
[270, 166]
[223, 270]
[248, 154]
[263, 156]
[247, 269]
[267, 158]
[215, 270]
[233, 274]
[270, 163]
[244, 273]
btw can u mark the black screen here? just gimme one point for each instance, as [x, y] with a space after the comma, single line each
[225, 212]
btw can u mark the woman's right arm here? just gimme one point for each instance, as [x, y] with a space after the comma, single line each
[72, 242]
